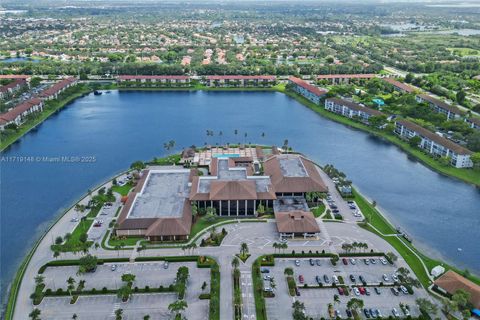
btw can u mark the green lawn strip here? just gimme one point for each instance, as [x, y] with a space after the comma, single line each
[74, 243]
[260, 308]
[123, 190]
[373, 215]
[128, 241]
[29, 125]
[317, 212]
[468, 175]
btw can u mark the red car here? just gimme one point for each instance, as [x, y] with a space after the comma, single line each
[300, 278]
[362, 290]
[345, 261]
[340, 291]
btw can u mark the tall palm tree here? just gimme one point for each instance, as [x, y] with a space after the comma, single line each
[285, 145]
[235, 262]
[243, 249]
[35, 314]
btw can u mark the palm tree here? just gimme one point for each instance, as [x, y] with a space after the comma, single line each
[275, 246]
[71, 285]
[284, 246]
[177, 306]
[118, 314]
[39, 280]
[35, 314]
[74, 316]
[355, 304]
[285, 145]
[243, 249]
[235, 262]
[245, 138]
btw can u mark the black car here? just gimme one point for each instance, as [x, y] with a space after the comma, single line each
[297, 292]
[326, 279]
[362, 280]
[352, 278]
[319, 280]
[377, 291]
[335, 211]
[333, 206]
[373, 313]
[366, 312]
[312, 263]
[264, 270]
[349, 313]
[318, 262]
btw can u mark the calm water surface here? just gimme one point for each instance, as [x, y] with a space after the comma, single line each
[441, 214]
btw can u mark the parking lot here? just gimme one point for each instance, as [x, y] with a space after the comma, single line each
[103, 307]
[316, 299]
[106, 214]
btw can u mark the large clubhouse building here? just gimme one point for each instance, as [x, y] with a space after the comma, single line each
[160, 207]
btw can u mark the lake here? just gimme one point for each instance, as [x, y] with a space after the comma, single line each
[117, 128]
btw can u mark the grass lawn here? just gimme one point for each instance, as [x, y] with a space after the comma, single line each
[374, 217]
[128, 241]
[74, 242]
[317, 212]
[468, 175]
[123, 190]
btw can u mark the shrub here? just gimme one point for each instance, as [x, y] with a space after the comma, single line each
[104, 290]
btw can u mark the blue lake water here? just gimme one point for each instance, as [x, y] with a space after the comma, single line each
[117, 128]
[19, 59]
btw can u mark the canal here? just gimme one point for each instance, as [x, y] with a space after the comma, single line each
[113, 130]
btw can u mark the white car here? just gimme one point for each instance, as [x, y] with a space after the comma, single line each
[383, 261]
[394, 277]
[356, 291]
[297, 263]
[74, 220]
[114, 267]
[352, 261]
[385, 277]
[403, 289]
[395, 313]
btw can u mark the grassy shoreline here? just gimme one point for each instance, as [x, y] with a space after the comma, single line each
[24, 129]
[471, 176]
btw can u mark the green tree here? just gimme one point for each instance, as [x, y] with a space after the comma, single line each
[129, 278]
[460, 96]
[119, 314]
[414, 141]
[35, 314]
[427, 306]
[70, 285]
[124, 292]
[355, 304]
[137, 166]
[298, 311]
[177, 307]
[235, 262]
[243, 249]
[87, 263]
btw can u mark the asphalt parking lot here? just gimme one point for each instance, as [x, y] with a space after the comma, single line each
[103, 307]
[105, 214]
[152, 274]
[316, 299]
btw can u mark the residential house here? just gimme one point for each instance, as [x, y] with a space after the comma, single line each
[307, 90]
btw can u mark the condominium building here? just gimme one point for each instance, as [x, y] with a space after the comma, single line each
[350, 109]
[435, 144]
[240, 81]
[307, 90]
[451, 112]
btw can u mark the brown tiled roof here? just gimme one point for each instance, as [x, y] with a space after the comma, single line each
[173, 226]
[296, 222]
[19, 109]
[299, 82]
[441, 104]
[452, 281]
[474, 120]
[260, 154]
[14, 76]
[57, 87]
[458, 149]
[13, 84]
[399, 85]
[346, 76]
[310, 183]
[225, 190]
[237, 77]
[160, 77]
[356, 106]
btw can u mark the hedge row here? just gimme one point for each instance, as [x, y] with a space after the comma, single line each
[66, 263]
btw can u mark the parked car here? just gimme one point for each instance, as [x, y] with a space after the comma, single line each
[74, 220]
[318, 262]
[268, 289]
[366, 261]
[297, 292]
[362, 280]
[267, 277]
[264, 270]
[340, 291]
[297, 262]
[114, 267]
[338, 314]
[356, 291]
[301, 279]
[326, 279]
[403, 289]
[372, 313]
[335, 211]
[383, 261]
[378, 313]
[352, 278]
[319, 280]
[373, 261]
[366, 312]
[395, 291]
[367, 291]
[349, 313]
[406, 311]
[394, 277]
[312, 263]
[362, 290]
[385, 277]
[333, 206]
[165, 265]
[335, 279]
[395, 313]
[344, 261]
[352, 261]
[377, 291]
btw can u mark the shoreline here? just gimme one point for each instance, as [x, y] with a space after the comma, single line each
[14, 286]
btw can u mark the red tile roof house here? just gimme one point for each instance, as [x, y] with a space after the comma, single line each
[435, 144]
[451, 281]
[13, 86]
[439, 106]
[399, 86]
[162, 79]
[345, 78]
[240, 81]
[18, 114]
[57, 88]
[350, 109]
[307, 90]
